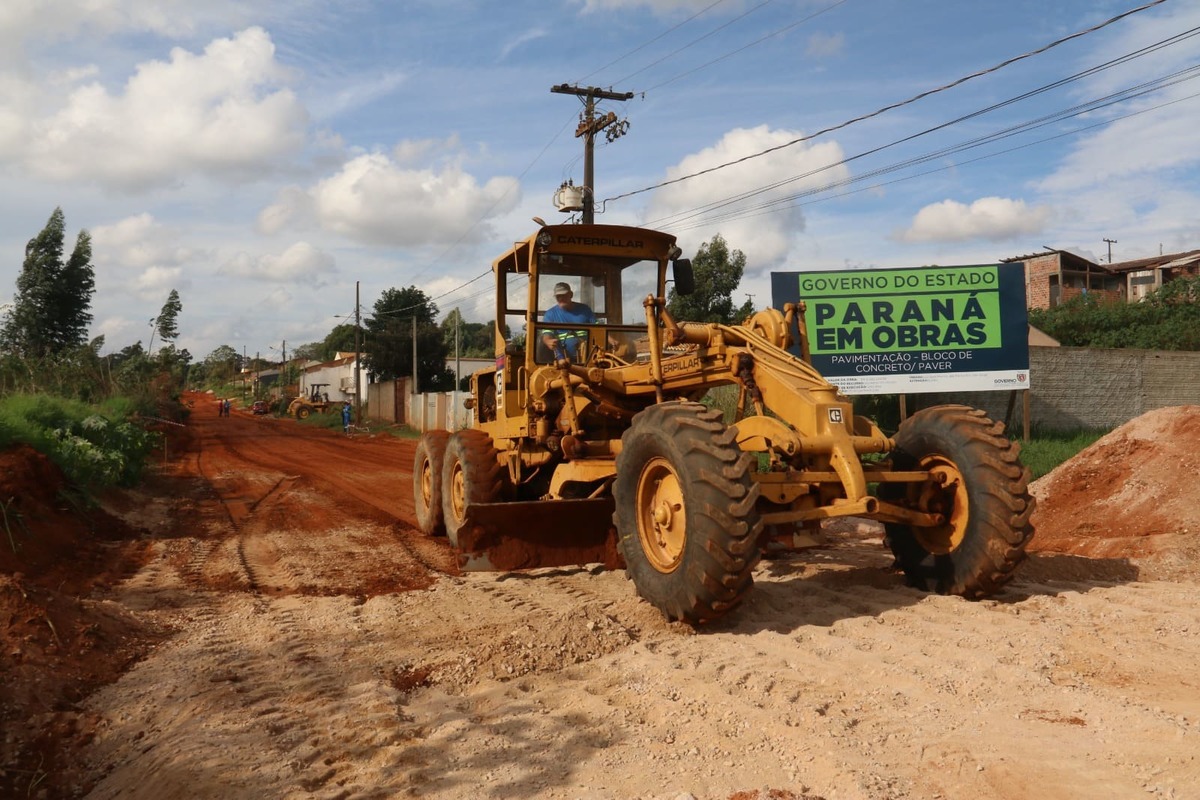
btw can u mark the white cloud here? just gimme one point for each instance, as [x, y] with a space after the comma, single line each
[118, 329]
[138, 242]
[825, 45]
[222, 112]
[53, 19]
[522, 40]
[765, 238]
[155, 283]
[360, 93]
[1160, 141]
[300, 263]
[991, 218]
[374, 199]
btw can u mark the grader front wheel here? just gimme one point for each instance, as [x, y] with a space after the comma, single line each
[471, 474]
[427, 481]
[685, 511]
[978, 484]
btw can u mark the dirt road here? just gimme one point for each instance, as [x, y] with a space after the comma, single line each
[299, 638]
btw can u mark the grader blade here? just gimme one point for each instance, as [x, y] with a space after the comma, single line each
[539, 533]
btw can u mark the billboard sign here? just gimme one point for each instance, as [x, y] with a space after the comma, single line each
[907, 331]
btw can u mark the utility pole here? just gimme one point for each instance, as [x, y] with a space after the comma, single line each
[283, 369]
[1111, 242]
[457, 357]
[589, 126]
[244, 371]
[357, 359]
[414, 335]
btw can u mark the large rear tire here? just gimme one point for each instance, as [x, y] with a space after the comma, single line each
[302, 412]
[983, 494]
[471, 473]
[427, 481]
[685, 511]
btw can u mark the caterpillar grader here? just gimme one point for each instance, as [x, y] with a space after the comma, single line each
[317, 402]
[604, 451]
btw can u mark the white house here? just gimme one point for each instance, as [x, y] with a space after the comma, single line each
[334, 378]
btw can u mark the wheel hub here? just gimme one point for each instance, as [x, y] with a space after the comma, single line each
[458, 493]
[427, 482]
[944, 493]
[662, 528]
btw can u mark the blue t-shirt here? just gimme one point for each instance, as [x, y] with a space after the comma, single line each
[578, 312]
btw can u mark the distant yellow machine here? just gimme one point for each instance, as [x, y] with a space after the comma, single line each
[604, 452]
[317, 402]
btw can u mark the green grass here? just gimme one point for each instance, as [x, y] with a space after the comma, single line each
[333, 421]
[1047, 449]
[94, 445]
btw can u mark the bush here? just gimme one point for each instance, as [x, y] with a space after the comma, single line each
[94, 446]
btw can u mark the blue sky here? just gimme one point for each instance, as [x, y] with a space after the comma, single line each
[262, 157]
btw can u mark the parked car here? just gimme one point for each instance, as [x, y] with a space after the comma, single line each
[260, 407]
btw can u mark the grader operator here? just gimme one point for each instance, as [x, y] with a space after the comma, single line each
[589, 442]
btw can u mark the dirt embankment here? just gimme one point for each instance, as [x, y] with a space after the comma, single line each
[263, 620]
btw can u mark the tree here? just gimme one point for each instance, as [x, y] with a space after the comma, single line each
[222, 364]
[339, 340]
[718, 274]
[475, 339]
[50, 312]
[312, 351]
[166, 323]
[388, 351]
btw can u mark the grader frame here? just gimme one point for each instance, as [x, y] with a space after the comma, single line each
[609, 456]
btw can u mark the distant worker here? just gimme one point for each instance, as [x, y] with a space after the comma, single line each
[346, 417]
[226, 406]
[221, 407]
[566, 310]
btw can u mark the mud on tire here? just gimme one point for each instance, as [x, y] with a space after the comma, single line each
[685, 511]
[471, 473]
[427, 481]
[975, 554]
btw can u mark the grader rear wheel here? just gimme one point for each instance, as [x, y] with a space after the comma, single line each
[685, 511]
[471, 473]
[302, 412]
[427, 481]
[981, 488]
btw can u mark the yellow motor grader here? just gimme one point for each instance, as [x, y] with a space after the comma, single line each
[589, 442]
[317, 402]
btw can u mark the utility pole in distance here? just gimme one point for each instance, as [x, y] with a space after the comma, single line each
[589, 126]
[1111, 242]
[357, 359]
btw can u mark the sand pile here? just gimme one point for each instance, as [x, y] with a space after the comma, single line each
[1134, 494]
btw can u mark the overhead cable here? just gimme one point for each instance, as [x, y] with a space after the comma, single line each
[892, 106]
[683, 215]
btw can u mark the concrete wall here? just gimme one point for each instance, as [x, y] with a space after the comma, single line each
[387, 401]
[391, 402]
[1082, 387]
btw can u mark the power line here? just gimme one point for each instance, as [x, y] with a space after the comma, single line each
[694, 42]
[649, 42]
[892, 106]
[1075, 111]
[758, 41]
[766, 208]
[688, 214]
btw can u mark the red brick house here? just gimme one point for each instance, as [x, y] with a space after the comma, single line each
[1144, 275]
[1055, 276]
